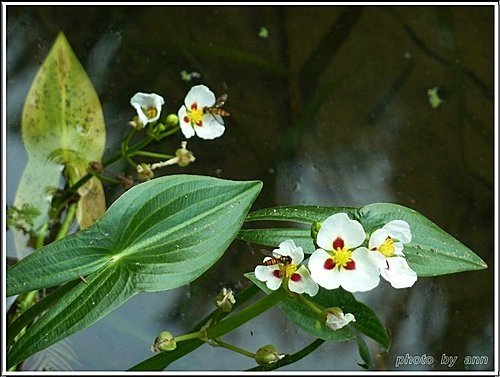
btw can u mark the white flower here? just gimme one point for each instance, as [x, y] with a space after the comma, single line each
[336, 319]
[288, 258]
[193, 117]
[334, 264]
[148, 106]
[386, 250]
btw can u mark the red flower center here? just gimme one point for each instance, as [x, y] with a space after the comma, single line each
[278, 274]
[351, 265]
[329, 264]
[338, 244]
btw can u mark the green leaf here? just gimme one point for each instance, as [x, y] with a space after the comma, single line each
[274, 236]
[431, 252]
[62, 127]
[304, 317]
[364, 352]
[300, 214]
[159, 235]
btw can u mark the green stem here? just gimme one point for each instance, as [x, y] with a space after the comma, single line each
[107, 179]
[309, 303]
[162, 360]
[129, 137]
[235, 348]
[144, 142]
[68, 220]
[246, 314]
[191, 335]
[130, 161]
[152, 154]
[40, 239]
[169, 132]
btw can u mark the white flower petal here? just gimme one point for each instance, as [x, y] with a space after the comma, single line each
[378, 259]
[364, 277]
[289, 248]
[266, 274]
[184, 122]
[340, 226]
[377, 239]
[210, 128]
[201, 95]
[305, 285]
[328, 279]
[337, 321]
[399, 273]
[142, 101]
[398, 249]
[399, 230]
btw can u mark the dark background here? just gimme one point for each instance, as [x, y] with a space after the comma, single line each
[330, 109]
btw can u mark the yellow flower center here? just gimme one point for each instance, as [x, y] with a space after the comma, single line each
[387, 248]
[342, 256]
[151, 112]
[289, 269]
[196, 115]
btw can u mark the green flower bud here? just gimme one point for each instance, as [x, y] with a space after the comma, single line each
[164, 342]
[172, 120]
[268, 355]
[160, 127]
[315, 227]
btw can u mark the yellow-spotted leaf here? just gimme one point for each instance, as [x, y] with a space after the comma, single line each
[62, 128]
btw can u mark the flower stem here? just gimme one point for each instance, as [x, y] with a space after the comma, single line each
[191, 335]
[309, 303]
[107, 179]
[152, 154]
[68, 220]
[40, 240]
[246, 314]
[169, 132]
[235, 348]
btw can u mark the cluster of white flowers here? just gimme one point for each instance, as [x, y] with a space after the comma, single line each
[341, 261]
[194, 117]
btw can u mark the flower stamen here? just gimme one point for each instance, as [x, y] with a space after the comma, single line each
[342, 257]
[387, 248]
[151, 112]
[195, 115]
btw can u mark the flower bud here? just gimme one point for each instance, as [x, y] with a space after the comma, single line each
[225, 300]
[160, 127]
[164, 342]
[172, 120]
[95, 167]
[315, 227]
[268, 355]
[184, 156]
[144, 172]
[126, 181]
[136, 123]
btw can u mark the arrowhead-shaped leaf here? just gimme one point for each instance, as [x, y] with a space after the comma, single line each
[159, 235]
[62, 126]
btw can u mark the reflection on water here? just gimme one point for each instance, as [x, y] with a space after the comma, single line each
[330, 109]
